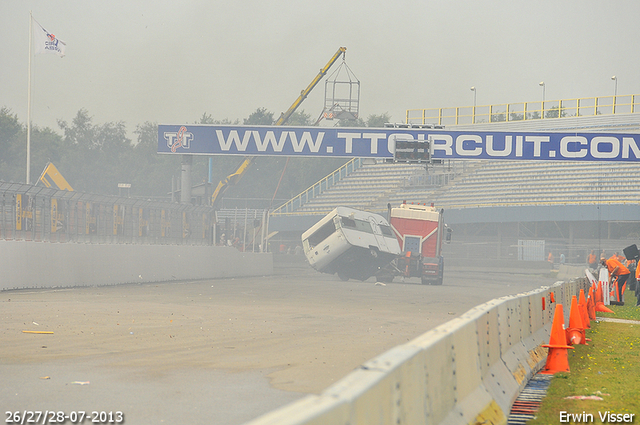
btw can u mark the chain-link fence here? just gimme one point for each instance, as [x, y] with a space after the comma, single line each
[37, 213]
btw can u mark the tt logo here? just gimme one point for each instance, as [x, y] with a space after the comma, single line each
[180, 139]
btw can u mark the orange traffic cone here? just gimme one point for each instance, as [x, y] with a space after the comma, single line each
[613, 292]
[591, 305]
[575, 332]
[617, 294]
[600, 301]
[582, 306]
[558, 357]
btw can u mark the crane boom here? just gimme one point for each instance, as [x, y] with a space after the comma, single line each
[304, 93]
[51, 177]
[233, 178]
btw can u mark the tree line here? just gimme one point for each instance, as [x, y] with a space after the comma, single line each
[96, 157]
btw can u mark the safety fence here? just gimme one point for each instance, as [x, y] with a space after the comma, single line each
[38, 213]
[545, 109]
[468, 370]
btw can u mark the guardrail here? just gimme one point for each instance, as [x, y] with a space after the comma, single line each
[293, 204]
[37, 213]
[469, 370]
[546, 109]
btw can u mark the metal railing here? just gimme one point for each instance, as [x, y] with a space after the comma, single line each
[549, 109]
[37, 213]
[321, 186]
[541, 202]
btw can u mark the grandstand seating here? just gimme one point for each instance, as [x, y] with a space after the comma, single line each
[482, 183]
[473, 183]
[364, 187]
[522, 182]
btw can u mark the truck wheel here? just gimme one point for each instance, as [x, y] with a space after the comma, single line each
[426, 281]
[438, 281]
[343, 277]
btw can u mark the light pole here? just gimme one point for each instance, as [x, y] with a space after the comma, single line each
[473, 89]
[615, 92]
[541, 83]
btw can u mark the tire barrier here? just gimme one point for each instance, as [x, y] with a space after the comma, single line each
[468, 370]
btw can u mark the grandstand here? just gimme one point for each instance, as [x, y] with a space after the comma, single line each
[513, 183]
[371, 184]
[574, 205]
[466, 184]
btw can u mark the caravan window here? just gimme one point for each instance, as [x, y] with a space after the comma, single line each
[361, 225]
[386, 230]
[348, 222]
[321, 234]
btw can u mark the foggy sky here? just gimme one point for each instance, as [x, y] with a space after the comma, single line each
[169, 62]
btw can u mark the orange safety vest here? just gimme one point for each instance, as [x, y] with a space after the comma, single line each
[612, 263]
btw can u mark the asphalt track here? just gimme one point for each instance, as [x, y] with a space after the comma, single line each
[218, 351]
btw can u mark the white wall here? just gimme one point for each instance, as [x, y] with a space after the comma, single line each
[41, 264]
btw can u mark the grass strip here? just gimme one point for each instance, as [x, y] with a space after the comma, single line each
[609, 367]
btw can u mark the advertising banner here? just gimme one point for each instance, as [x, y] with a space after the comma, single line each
[381, 142]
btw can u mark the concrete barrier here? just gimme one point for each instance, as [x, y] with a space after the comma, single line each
[568, 271]
[461, 264]
[468, 370]
[43, 265]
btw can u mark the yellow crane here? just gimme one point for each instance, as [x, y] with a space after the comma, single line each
[51, 177]
[233, 178]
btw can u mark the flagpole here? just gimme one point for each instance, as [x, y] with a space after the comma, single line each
[29, 102]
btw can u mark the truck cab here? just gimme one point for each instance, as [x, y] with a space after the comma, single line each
[420, 231]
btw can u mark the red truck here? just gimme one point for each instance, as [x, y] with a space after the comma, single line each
[420, 230]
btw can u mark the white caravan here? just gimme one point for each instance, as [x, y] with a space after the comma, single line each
[352, 243]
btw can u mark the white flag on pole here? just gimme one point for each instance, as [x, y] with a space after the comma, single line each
[45, 42]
